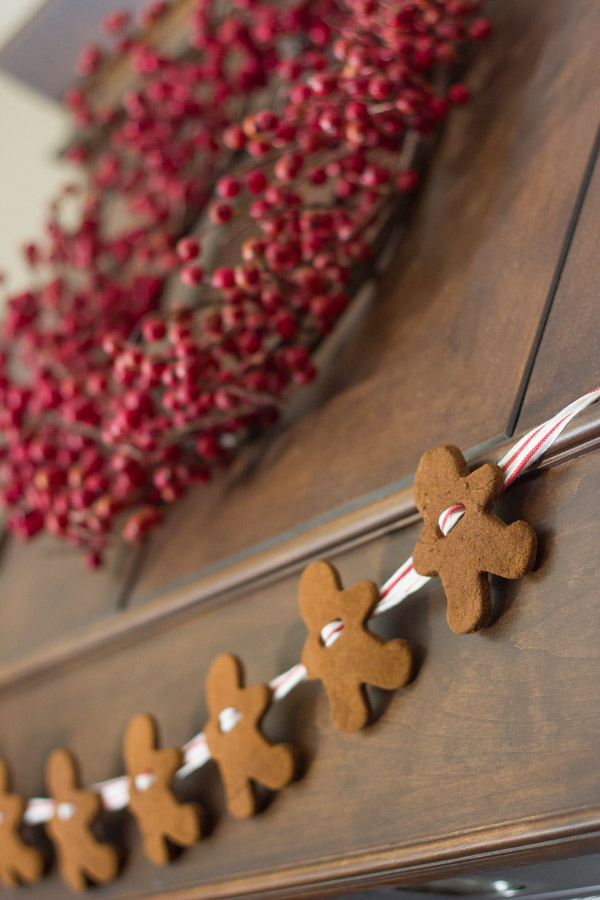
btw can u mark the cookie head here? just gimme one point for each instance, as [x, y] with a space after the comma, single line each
[61, 773]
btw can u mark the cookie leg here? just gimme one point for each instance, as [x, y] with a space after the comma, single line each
[347, 703]
[30, 865]
[72, 875]
[239, 792]
[101, 863]
[469, 601]
[7, 875]
[156, 849]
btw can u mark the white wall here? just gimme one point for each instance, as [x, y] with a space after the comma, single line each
[14, 14]
[33, 129]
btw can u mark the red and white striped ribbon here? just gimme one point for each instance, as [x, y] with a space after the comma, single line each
[404, 581]
[537, 441]
[39, 809]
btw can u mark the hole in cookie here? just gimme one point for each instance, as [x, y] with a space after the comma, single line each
[144, 780]
[450, 517]
[65, 811]
[228, 719]
[331, 632]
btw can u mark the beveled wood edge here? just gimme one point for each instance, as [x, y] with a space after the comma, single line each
[392, 511]
[568, 834]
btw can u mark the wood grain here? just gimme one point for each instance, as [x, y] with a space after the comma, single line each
[441, 353]
[566, 364]
[487, 757]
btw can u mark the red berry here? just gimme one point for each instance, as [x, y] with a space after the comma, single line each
[380, 88]
[407, 180]
[256, 181]
[288, 166]
[234, 137]
[154, 330]
[208, 447]
[228, 187]
[192, 275]
[93, 560]
[285, 325]
[187, 249]
[112, 343]
[458, 94]
[115, 21]
[223, 278]
[220, 213]
[480, 29]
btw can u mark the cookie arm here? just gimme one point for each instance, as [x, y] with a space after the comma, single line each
[170, 757]
[510, 550]
[29, 864]
[426, 555]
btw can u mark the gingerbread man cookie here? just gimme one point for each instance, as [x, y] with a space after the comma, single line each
[234, 738]
[80, 855]
[159, 814]
[18, 862]
[480, 543]
[358, 657]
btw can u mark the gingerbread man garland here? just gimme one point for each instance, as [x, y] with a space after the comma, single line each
[480, 543]
[358, 656]
[80, 855]
[243, 754]
[18, 862]
[160, 815]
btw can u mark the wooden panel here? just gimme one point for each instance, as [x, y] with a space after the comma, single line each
[566, 365]
[489, 755]
[441, 353]
[47, 592]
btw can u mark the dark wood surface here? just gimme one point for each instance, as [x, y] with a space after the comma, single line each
[492, 746]
[442, 352]
[47, 592]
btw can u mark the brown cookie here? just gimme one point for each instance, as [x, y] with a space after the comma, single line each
[18, 862]
[159, 813]
[241, 751]
[358, 657]
[480, 543]
[80, 855]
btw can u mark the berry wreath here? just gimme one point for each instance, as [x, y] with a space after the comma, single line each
[258, 165]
